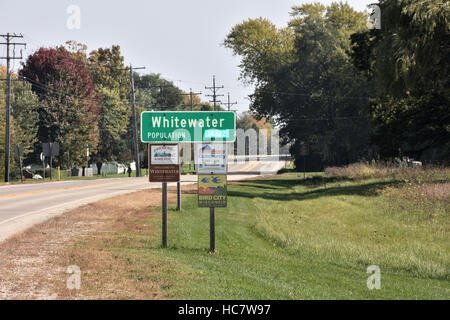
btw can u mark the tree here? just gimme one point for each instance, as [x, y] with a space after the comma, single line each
[408, 62]
[149, 94]
[111, 81]
[69, 106]
[24, 117]
[305, 81]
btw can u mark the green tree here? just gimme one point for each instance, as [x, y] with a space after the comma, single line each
[305, 81]
[111, 81]
[407, 59]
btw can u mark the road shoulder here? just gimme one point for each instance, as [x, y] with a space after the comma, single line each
[33, 263]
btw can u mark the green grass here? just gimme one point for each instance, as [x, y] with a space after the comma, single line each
[289, 238]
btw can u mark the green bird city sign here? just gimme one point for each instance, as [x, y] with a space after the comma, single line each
[188, 126]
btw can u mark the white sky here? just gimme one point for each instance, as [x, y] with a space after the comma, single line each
[180, 39]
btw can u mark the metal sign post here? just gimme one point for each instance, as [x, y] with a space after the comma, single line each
[178, 196]
[164, 214]
[163, 166]
[212, 231]
[212, 193]
[43, 164]
[19, 153]
[50, 149]
[304, 151]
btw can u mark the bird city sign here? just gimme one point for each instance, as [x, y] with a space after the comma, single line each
[212, 190]
[188, 126]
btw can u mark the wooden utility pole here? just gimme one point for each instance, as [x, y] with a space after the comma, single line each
[229, 104]
[214, 94]
[191, 95]
[133, 116]
[8, 58]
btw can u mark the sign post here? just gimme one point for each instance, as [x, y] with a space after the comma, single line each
[178, 196]
[163, 167]
[19, 153]
[212, 168]
[164, 214]
[212, 193]
[304, 151]
[212, 231]
[213, 129]
[43, 164]
[50, 149]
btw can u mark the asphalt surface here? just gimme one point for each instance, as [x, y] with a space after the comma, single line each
[22, 206]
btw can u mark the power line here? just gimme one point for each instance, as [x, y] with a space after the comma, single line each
[214, 94]
[229, 104]
[8, 58]
[190, 94]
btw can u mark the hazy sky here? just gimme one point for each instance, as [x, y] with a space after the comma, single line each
[179, 39]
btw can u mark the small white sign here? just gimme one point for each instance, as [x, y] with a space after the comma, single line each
[211, 158]
[164, 154]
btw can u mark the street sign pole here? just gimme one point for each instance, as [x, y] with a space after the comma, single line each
[178, 196]
[51, 164]
[179, 189]
[43, 164]
[304, 167]
[21, 168]
[212, 231]
[164, 214]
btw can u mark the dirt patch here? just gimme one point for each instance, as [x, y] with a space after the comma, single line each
[33, 264]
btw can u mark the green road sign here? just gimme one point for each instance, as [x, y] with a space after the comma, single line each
[188, 126]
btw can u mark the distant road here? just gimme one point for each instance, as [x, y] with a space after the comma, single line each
[22, 206]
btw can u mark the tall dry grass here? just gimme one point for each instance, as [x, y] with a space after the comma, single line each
[428, 182]
[387, 170]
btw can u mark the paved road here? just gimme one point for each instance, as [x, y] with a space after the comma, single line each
[22, 206]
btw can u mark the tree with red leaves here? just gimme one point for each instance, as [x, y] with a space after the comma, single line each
[70, 106]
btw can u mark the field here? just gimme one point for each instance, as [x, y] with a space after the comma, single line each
[288, 238]
[281, 237]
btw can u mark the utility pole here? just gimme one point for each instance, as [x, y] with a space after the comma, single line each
[135, 135]
[229, 104]
[8, 43]
[191, 94]
[214, 94]
[160, 87]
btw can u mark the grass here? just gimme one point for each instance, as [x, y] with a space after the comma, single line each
[289, 238]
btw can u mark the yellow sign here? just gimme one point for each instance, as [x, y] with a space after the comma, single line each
[212, 190]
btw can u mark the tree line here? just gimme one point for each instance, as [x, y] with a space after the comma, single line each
[352, 93]
[79, 99]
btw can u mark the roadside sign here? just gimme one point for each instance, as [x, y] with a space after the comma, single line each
[188, 126]
[18, 151]
[163, 163]
[212, 190]
[50, 149]
[304, 149]
[211, 158]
